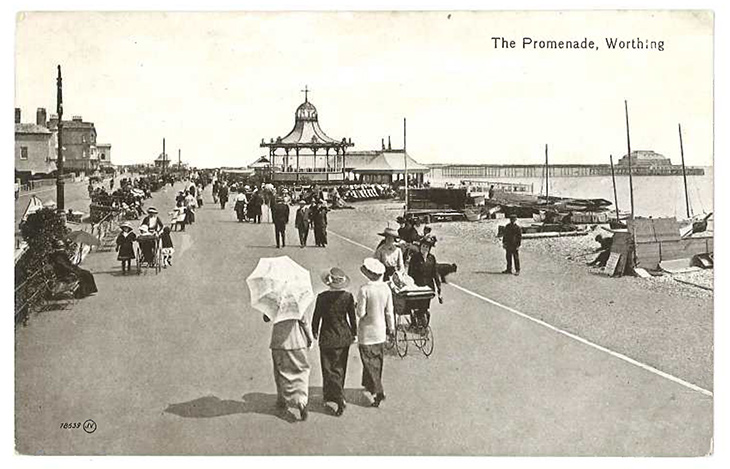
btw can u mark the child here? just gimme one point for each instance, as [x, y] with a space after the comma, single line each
[125, 246]
[167, 248]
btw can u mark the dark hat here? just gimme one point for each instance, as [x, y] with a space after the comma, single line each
[335, 278]
[400, 220]
[428, 240]
[513, 216]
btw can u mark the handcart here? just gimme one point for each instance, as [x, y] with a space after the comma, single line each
[412, 321]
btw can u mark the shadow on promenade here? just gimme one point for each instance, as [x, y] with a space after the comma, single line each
[257, 403]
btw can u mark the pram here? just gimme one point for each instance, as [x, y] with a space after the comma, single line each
[149, 252]
[412, 320]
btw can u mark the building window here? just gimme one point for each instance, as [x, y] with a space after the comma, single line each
[23, 153]
[103, 157]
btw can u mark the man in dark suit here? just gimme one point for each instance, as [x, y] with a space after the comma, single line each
[319, 218]
[511, 241]
[301, 221]
[280, 216]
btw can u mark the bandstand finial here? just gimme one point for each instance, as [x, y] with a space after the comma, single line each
[305, 91]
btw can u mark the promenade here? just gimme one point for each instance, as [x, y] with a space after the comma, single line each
[178, 363]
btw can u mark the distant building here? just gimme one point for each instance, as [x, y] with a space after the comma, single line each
[33, 146]
[645, 158]
[104, 154]
[384, 166]
[79, 144]
[162, 161]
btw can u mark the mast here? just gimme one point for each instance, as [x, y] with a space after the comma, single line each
[628, 144]
[59, 160]
[405, 161]
[684, 171]
[613, 179]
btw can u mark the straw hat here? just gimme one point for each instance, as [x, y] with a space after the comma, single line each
[335, 278]
[152, 210]
[389, 232]
[126, 224]
[144, 229]
[372, 268]
[302, 202]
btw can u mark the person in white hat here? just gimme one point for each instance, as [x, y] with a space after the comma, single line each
[389, 253]
[125, 246]
[152, 221]
[334, 325]
[374, 312]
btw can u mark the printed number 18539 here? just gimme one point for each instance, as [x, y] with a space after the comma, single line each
[71, 425]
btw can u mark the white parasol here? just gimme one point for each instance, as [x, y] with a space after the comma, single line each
[280, 288]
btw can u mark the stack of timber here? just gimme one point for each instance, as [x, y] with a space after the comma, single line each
[658, 239]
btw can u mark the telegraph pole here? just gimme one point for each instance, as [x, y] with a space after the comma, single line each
[60, 202]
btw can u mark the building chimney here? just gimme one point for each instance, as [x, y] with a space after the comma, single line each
[17, 115]
[382, 143]
[389, 147]
[40, 116]
[77, 119]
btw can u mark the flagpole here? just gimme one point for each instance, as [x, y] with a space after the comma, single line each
[405, 161]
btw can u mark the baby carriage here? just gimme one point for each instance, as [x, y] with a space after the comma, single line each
[411, 306]
[149, 252]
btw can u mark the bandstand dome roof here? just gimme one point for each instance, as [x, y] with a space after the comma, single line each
[306, 131]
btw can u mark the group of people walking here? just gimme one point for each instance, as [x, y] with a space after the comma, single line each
[339, 319]
[150, 230]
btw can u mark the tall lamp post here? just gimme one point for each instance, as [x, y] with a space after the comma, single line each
[60, 202]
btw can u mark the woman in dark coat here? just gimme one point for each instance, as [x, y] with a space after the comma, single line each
[125, 246]
[66, 271]
[424, 272]
[333, 324]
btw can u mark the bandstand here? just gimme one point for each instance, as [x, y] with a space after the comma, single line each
[307, 153]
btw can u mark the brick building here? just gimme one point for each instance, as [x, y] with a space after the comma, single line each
[79, 144]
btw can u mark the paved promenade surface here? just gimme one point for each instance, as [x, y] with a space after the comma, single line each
[177, 363]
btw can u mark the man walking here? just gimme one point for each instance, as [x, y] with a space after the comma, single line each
[319, 218]
[301, 222]
[223, 196]
[511, 241]
[280, 216]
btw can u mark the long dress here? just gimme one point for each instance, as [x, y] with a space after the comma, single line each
[291, 368]
[66, 271]
[334, 324]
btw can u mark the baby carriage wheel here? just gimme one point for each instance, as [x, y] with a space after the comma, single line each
[427, 347]
[401, 341]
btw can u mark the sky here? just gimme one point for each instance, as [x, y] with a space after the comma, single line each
[214, 84]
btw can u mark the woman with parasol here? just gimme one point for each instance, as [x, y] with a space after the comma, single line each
[281, 289]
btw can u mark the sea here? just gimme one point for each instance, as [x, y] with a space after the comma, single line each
[654, 196]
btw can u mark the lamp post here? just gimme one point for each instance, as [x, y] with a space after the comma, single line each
[60, 202]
